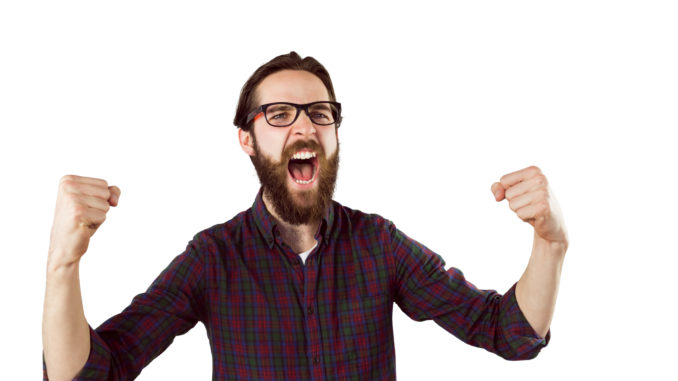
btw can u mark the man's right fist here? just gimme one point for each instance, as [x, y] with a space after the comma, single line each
[81, 206]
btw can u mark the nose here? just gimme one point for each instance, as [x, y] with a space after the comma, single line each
[303, 125]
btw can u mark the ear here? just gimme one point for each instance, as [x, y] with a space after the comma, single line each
[246, 141]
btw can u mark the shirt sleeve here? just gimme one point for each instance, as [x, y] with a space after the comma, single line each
[424, 290]
[123, 345]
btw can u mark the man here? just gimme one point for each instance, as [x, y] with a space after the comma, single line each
[298, 286]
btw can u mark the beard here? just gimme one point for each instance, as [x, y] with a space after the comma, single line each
[302, 206]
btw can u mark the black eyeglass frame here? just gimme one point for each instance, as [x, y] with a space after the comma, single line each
[262, 109]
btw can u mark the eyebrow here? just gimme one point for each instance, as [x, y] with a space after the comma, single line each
[323, 106]
[280, 107]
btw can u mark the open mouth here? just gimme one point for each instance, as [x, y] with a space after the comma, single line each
[303, 167]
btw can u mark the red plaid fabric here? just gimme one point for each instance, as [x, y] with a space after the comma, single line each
[271, 317]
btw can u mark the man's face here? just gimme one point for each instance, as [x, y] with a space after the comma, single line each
[300, 188]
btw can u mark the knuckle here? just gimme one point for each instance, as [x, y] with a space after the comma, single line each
[543, 205]
[540, 179]
[66, 178]
[79, 210]
[67, 184]
[535, 169]
[69, 197]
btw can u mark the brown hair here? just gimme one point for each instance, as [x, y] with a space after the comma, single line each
[291, 61]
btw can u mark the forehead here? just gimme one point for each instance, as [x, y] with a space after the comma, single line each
[296, 86]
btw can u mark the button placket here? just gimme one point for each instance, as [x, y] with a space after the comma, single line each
[312, 323]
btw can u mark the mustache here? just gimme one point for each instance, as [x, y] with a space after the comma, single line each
[300, 145]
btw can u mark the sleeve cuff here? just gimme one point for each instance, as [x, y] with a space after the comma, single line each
[98, 362]
[523, 341]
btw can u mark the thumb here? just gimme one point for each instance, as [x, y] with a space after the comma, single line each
[498, 191]
[115, 195]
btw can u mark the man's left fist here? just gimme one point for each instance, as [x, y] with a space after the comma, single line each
[530, 196]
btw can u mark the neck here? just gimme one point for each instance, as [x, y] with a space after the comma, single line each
[298, 237]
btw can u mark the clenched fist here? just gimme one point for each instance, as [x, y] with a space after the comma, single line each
[530, 196]
[82, 203]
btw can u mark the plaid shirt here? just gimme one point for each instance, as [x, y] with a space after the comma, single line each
[269, 316]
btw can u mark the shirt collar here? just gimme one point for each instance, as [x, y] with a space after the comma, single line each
[267, 223]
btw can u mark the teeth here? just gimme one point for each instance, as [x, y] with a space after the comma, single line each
[303, 155]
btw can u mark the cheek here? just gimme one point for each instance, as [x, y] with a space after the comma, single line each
[271, 143]
[329, 142]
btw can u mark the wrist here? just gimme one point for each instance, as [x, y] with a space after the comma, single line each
[552, 249]
[56, 265]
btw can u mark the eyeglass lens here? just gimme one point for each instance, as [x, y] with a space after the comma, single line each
[281, 114]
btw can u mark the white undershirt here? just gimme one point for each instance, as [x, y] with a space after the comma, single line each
[307, 252]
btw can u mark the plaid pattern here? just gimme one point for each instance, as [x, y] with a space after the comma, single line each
[270, 317]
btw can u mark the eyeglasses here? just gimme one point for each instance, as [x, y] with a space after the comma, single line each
[283, 114]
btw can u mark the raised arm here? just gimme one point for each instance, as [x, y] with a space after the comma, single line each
[81, 207]
[531, 198]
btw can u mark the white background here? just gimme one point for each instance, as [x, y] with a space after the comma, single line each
[439, 101]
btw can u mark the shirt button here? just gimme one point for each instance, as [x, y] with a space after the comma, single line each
[316, 360]
[310, 310]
